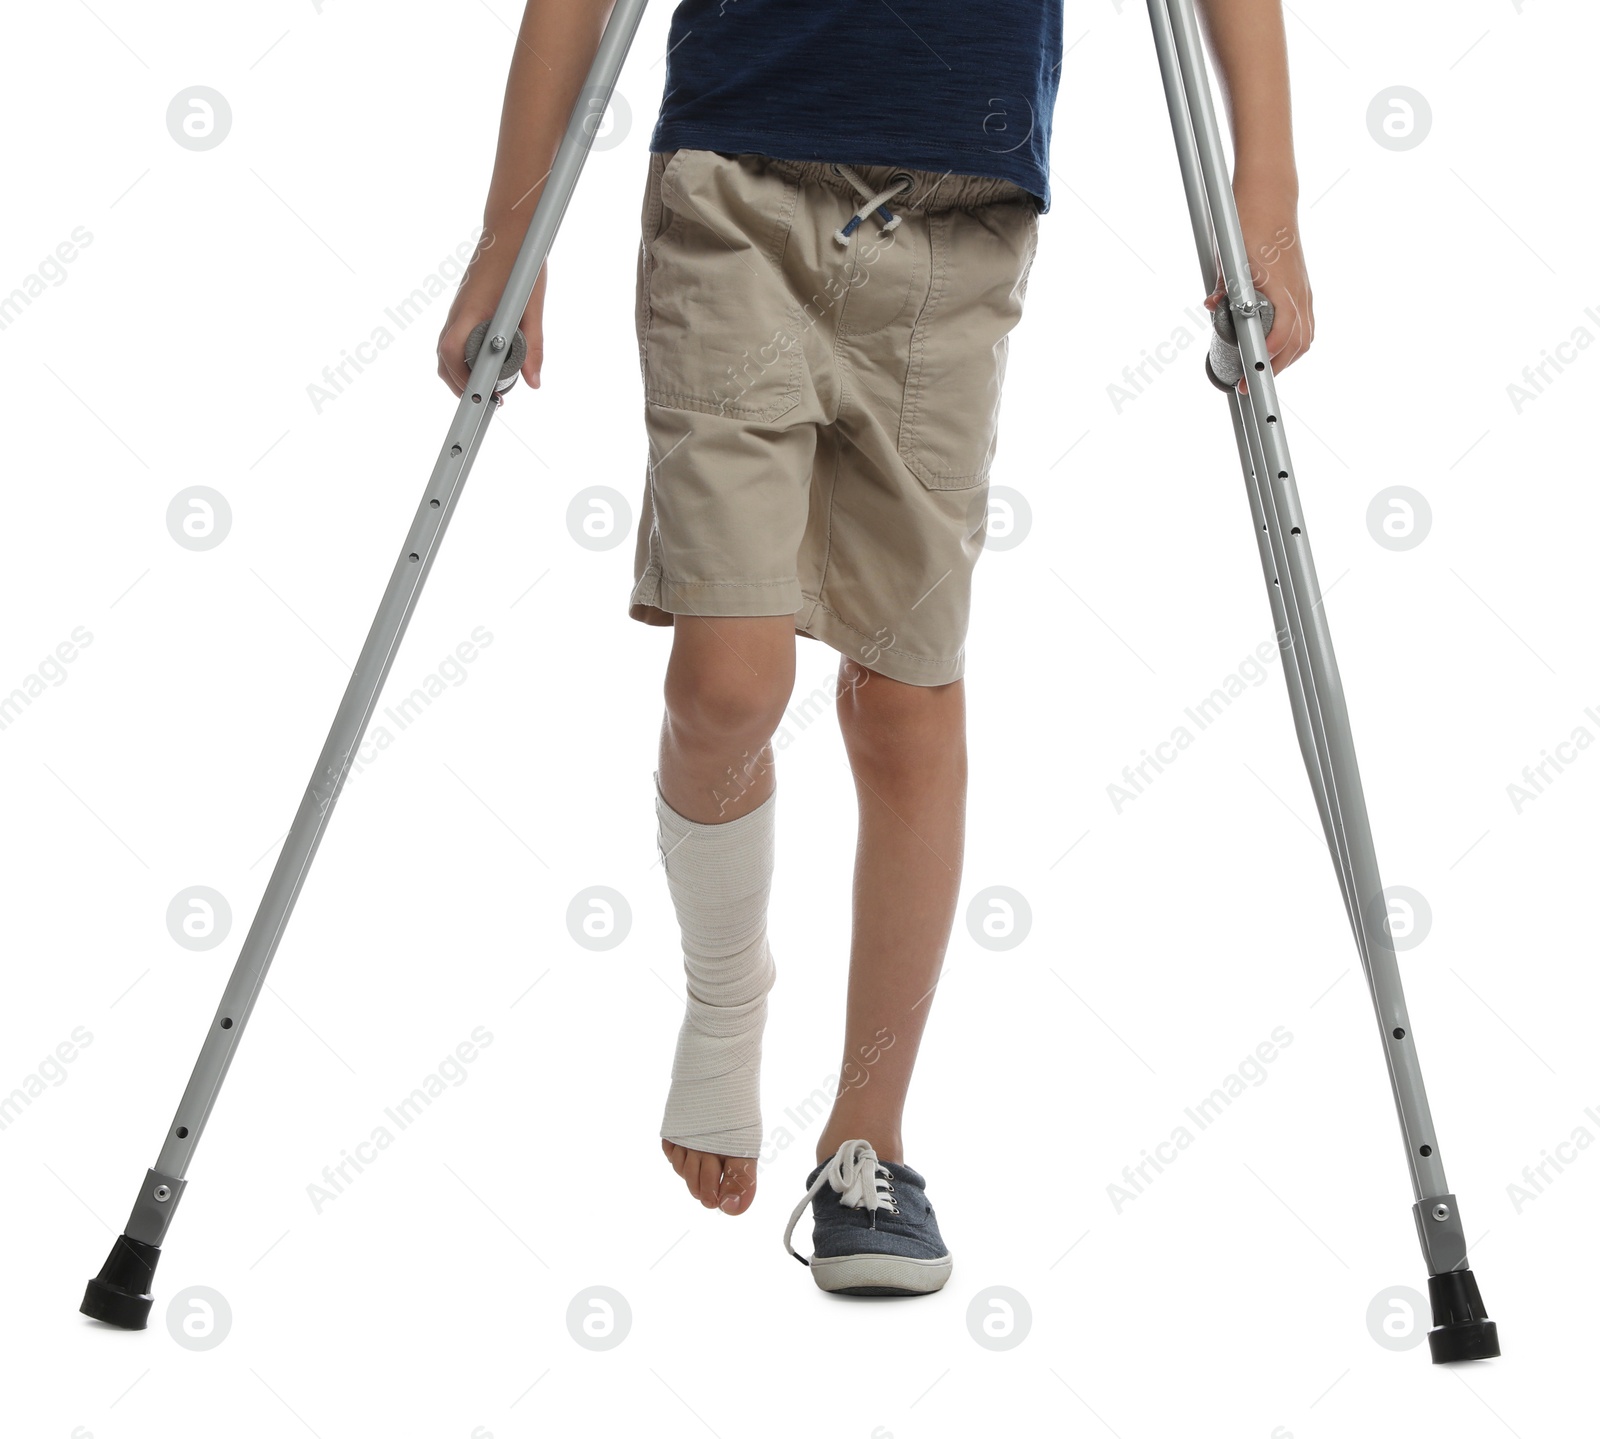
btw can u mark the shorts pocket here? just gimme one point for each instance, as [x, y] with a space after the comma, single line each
[651, 217]
[978, 273]
[719, 330]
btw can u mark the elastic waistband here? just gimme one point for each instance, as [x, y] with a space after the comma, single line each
[932, 191]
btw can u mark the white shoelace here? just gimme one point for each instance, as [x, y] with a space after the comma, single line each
[871, 203]
[861, 1180]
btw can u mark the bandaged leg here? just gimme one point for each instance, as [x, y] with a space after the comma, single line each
[720, 876]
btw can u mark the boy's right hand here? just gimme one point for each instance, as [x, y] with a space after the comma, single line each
[475, 302]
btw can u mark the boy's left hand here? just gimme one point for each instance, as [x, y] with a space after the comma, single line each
[1277, 269]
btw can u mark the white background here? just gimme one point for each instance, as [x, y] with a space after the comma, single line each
[431, 1297]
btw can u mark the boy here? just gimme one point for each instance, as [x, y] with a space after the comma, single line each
[840, 215]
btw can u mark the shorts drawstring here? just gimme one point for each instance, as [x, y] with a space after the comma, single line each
[871, 203]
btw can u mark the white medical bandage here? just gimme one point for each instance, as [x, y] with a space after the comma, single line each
[720, 876]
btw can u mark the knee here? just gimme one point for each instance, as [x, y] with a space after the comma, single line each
[723, 701]
[888, 722]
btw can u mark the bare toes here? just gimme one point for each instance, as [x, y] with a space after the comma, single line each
[720, 1182]
[710, 1179]
[738, 1186]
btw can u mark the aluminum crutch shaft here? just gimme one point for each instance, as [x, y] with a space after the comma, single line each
[1311, 673]
[120, 1294]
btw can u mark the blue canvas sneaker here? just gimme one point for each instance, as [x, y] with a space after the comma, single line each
[874, 1231]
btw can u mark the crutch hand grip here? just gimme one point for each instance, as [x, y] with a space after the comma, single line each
[1224, 368]
[518, 352]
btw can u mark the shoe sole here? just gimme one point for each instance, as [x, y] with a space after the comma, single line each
[880, 1274]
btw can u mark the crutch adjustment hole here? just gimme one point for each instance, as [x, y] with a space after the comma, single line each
[1260, 365]
[413, 557]
[1399, 1034]
[227, 1024]
[183, 1131]
[434, 503]
[1426, 1150]
[455, 449]
[477, 399]
[1295, 530]
[1272, 419]
[1283, 474]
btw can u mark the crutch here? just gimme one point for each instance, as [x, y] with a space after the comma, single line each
[1239, 349]
[120, 1293]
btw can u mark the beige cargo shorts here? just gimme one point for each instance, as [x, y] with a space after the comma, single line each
[822, 417]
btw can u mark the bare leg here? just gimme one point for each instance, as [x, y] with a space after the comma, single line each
[728, 681]
[908, 753]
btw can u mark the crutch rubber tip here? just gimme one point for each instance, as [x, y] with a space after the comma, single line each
[120, 1294]
[1461, 1329]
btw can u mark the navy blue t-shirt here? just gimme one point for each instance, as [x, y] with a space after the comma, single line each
[944, 85]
